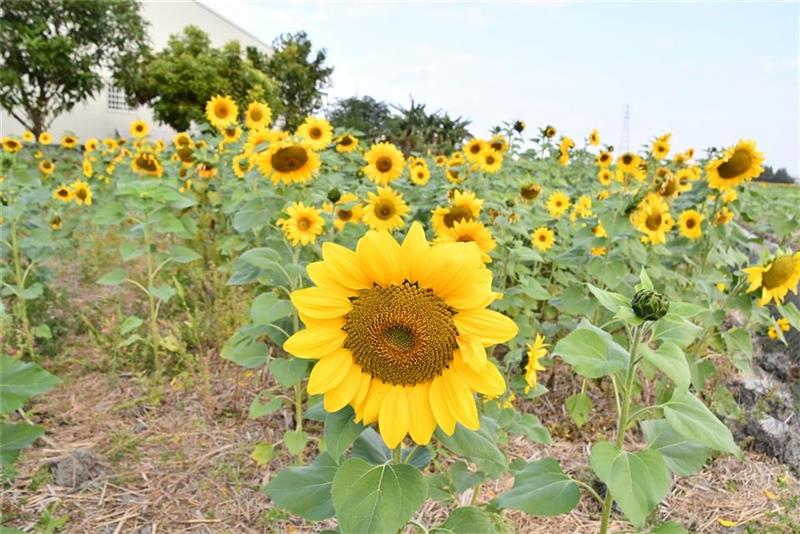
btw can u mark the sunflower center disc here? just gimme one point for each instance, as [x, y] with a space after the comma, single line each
[457, 213]
[653, 221]
[779, 272]
[384, 210]
[256, 115]
[529, 192]
[303, 224]
[738, 164]
[290, 158]
[146, 163]
[402, 334]
[690, 223]
[344, 215]
[383, 164]
[315, 133]
[346, 141]
[221, 110]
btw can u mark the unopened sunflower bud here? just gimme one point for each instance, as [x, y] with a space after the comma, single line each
[334, 195]
[519, 126]
[650, 305]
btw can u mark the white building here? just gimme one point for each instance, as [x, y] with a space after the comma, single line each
[108, 114]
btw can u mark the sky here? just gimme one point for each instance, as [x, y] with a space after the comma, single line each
[710, 73]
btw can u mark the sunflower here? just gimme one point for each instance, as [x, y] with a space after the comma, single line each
[231, 134]
[318, 133]
[543, 238]
[689, 224]
[258, 115]
[471, 231]
[729, 195]
[159, 146]
[346, 143]
[599, 251]
[91, 144]
[139, 129]
[685, 177]
[81, 192]
[46, 167]
[723, 216]
[419, 173]
[206, 170]
[11, 145]
[660, 149]
[519, 126]
[530, 191]
[604, 177]
[536, 352]
[557, 204]
[594, 138]
[599, 230]
[183, 140]
[582, 208]
[69, 141]
[549, 132]
[653, 219]
[147, 163]
[347, 210]
[776, 278]
[288, 162]
[221, 111]
[110, 144]
[474, 149]
[56, 222]
[302, 225]
[88, 169]
[454, 174]
[384, 163]
[738, 164]
[604, 159]
[45, 138]
[491, 161]
[628, 163]
[784, 324]
[456, 158]
[259, 139]
[465, 206]
[400, 333]
[385, 210]
[28, 136]
[498, 143]
[241, 165]
[63, 193]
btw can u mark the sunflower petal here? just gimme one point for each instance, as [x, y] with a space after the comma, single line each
[379, 255]
[414, 251]
[393, 419]
[489, 381]
[346, 266]
[460, 400]
[439, 406]
[329, 372]
[314, 343]
[374, 400]
[473, 352]
[422, 424]
[320, 303]
[338, 397]
[488, 326]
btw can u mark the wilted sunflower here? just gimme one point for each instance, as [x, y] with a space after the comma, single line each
[594, 138]
[241, 165]
[385, 210]
[543, 238]
[81, 193]
[69, 141]
[46, 167]
[530, 191]
[557, 204]
[56, 222]
[738, 164]
[45, 138]
[465, 206]
[474, 149]
[653, 219]
[519, 126]
[471, 231]
[604, 159]
[11, 145]
[206, 170]
[183, 140]
[400, 332]
[288, 162]
[346, 210]
[221, 111]
[776, 278]
[302, 225]
[419, 173]
[346, 143]
[491, 161]
[536, 352]
[258, 115]
[139, 129]
[318, 133]
[147, 163]
[384, 163]
[63, 193]
[689, 224]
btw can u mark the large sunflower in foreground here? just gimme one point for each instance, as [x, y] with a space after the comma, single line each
[317, 133]
[288, 162]
[385, 163]
[738, 164]
[221, 111]
[776, 278]
[385, 210]
[400, 333]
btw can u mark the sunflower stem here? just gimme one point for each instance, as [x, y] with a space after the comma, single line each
[22, 307]
[151, 300]
[397, 456]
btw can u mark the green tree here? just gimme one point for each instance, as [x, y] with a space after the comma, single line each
[364, 114]
[414, 128]
[178, 80]
[301, 76]
[53, 53]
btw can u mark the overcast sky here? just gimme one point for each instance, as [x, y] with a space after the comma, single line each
[709, 73]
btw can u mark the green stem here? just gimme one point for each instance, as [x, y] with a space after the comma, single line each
[622, 422]
[397, 455]
[22, 307]
[151, 300]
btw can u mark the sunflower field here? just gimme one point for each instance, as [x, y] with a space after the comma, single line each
[409, 320]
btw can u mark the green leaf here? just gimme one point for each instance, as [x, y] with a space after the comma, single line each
[684, 457]
[181, 254]
[305, 491]
[376, 499]
[791, 312]
[287, 371]
[130, 251]
[463, 478]
[295, 441]
[479, 446]
[675, 329]
[130, 340]
[528, 425]
[670, 359]
[163, 292]
[263, 453]
[541, 488]
[14, 438]
[19, 381]
[669, 528]
[592, 352]
[608, 299]
[261, 409]
[251, 355]
[340, 431]
[740, 347]
[470, 519]
[644, 281]
[268, 308]
[579, 407]
[130, 324]
[42, 332]
[688, 416]
[33, 292]
[601, 458]
[114, 278]
[686, 309]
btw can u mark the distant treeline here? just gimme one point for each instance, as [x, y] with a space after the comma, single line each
[780, 176]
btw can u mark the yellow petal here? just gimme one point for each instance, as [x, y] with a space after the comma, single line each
[439, 406]
[422, 424]
[320, 303]
[324, 275]
[414, 251]
[393, 420]
[338, 397]
[372, 404]
[489, 381]
[473, 352]
[329, 372]
[379, 255]
[488, 326]
[315, 342]
[345, 266]
[460, 400]
[478, 294]
[363, 389]
[450, 270]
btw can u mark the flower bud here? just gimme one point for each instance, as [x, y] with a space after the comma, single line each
[650, 305]
[334, 195]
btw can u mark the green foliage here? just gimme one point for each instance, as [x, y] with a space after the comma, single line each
[362, 114]
[55, 53]
[541, 488]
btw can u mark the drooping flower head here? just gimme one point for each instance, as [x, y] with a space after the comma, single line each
[776, 278]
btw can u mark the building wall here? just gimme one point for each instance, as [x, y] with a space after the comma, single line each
[94, 118]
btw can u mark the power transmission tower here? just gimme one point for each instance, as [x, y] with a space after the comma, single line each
[625, 139]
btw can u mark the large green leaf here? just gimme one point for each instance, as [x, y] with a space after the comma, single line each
[684, 457]
[377, 499]
[740, 347]
[305, 491]
[541, 488]
[669, 358]
[592, 352]
[180, 254]
[340, 431]
[250, 355]
[579, 406]
[608, 299]
[676, 329]
[469, 519]
[268, 308]
[115, 277]
[287, 371]
[14, 438]
[19, 381]
[690, 418]
[479, 446]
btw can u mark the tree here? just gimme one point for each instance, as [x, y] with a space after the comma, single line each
[178, 80]
[301, 79]
[780, 176]
[364, 114]
[53, 53]
[413, 129]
